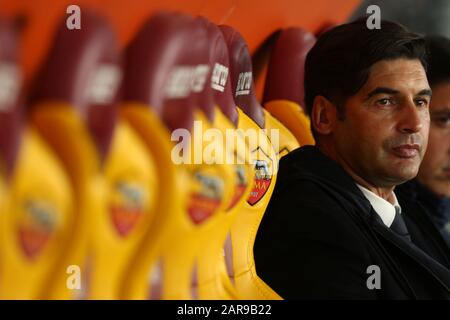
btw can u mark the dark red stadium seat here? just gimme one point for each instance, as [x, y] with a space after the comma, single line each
[283, 91]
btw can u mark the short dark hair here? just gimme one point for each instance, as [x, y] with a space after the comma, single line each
[338, 65]
[438, 60]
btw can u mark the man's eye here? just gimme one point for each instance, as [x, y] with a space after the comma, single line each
[384, 102]
[422, 102]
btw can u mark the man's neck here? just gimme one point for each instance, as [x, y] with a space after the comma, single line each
[387, 193]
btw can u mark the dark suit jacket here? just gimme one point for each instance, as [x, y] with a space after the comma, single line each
[437, 207]
[320, 234]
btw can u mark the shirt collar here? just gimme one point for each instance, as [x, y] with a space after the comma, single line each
[383, 208]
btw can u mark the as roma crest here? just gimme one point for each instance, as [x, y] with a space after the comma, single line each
[240, 186]
[206, 197]
[263, 176]
[127, 207]
[36, 227]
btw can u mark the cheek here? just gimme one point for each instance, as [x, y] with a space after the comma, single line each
[369, 128]
[356, 135]
[363, 134]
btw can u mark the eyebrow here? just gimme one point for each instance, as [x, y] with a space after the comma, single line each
[425, 92]
[385, 90]
[379, 90]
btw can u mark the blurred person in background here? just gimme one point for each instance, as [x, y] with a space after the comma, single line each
[431, 187]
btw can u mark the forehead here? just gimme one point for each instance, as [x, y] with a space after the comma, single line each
[399, 74]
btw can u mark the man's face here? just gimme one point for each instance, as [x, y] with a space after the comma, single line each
[384, 133]
[435, 169]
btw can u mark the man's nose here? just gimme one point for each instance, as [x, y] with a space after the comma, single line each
[412, 117]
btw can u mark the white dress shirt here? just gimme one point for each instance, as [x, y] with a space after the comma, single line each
[384, 208]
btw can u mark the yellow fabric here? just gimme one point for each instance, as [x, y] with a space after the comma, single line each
[129, 191]
[38, 214]
[65, 130]
[245, 226]
[214, 282]
[281, 138]
[276, 142]
[291, 115]
[167, 256]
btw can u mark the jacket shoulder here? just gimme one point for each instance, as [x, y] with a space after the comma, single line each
[308, 237]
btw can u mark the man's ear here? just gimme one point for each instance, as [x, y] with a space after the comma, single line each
[323, 115]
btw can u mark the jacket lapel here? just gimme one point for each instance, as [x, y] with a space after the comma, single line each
[438, 271]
